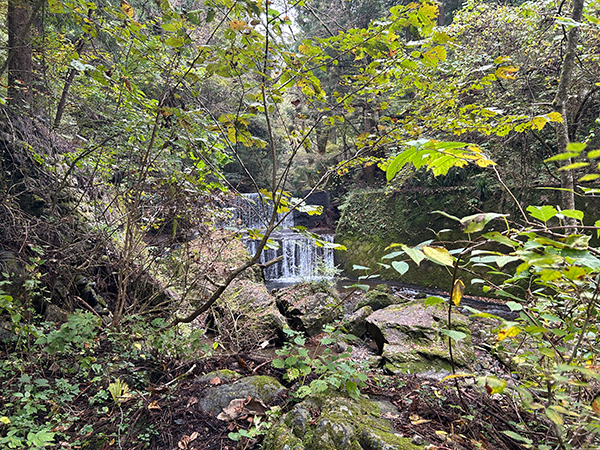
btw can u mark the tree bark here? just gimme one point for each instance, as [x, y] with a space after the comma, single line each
[19, 63]
[560, 106]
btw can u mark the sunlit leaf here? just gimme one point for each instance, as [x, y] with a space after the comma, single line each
[507, 332]
[573, 213]
[415, 254]
[439, 255]
[554, 416]
[457, 292]
[433, 300]
[126, 8]
[575, 165]
[543, 213]
[589, 177]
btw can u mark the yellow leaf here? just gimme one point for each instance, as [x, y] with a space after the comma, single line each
[539, 122]
[237, 25]
[126, 8]
[554, 117]
[507, 72]
[302, 48]
[457, 292]
[595, 405]
[508, 332]
[439, 255]
[5, 420]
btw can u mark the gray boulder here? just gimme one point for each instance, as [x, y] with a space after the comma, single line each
[309, 306]
[261, 387]
[356, 324]
[411, 340]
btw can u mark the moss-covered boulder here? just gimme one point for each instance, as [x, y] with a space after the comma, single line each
[261, 387]
[309, 306]
[333, 421]
[379, 298]
[411, 340]
[356, 323]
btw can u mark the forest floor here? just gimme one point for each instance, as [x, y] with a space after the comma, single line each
[160, 409]
[165, 415]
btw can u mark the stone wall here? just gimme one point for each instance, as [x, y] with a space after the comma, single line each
[372, 220]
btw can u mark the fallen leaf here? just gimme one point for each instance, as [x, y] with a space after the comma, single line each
[153, 406]
[240, 408]
[215, 381]
[192, 401]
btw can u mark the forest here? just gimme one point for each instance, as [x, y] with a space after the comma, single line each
[300, 224]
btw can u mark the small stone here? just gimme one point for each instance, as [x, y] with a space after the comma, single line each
[417, 440]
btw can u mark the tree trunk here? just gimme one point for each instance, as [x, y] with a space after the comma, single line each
[20, 64]
[441, 20]
[560, 106]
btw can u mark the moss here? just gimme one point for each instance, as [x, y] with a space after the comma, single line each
[223, 374]
[266, 385]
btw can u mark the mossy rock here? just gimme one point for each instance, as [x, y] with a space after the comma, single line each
[333, 421]
[262, 387]
[309, 306]
[411, 340]
[377, 299]
[223, 374]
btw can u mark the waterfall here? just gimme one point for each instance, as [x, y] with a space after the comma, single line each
[302, 258]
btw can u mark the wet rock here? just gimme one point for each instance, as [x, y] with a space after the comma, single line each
[333, 421]
[309, 306]
[356, 324]
[379, 298]
[410, 339]
[261, 387]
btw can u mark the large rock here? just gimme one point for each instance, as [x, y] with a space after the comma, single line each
[309, 306]
[332, 421]
[261, 387]
[379, 298]
[247, 315]
[410, 339]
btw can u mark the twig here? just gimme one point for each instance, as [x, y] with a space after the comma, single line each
[183, 375]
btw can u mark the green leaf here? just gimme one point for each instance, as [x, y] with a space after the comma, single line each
[589, 177]
[543, 213]
[554, 416]
[477, 222]
[576, 147]
[517, 437]
[415, 254]
[593, 154]
[514, 306]
[445, 214]
[453, 334]
[573, 213]
[575, 165]
[278, 363]
[357, 267]
[433, 300]
[40, 439]
[174, 41]
[500, 238]
[562, 156]
[400, 266]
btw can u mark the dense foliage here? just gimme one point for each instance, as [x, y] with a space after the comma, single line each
[129, 128]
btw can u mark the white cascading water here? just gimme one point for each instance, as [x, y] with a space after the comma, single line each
[302, 258]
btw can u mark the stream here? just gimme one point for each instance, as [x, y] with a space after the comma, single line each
[304, 261]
